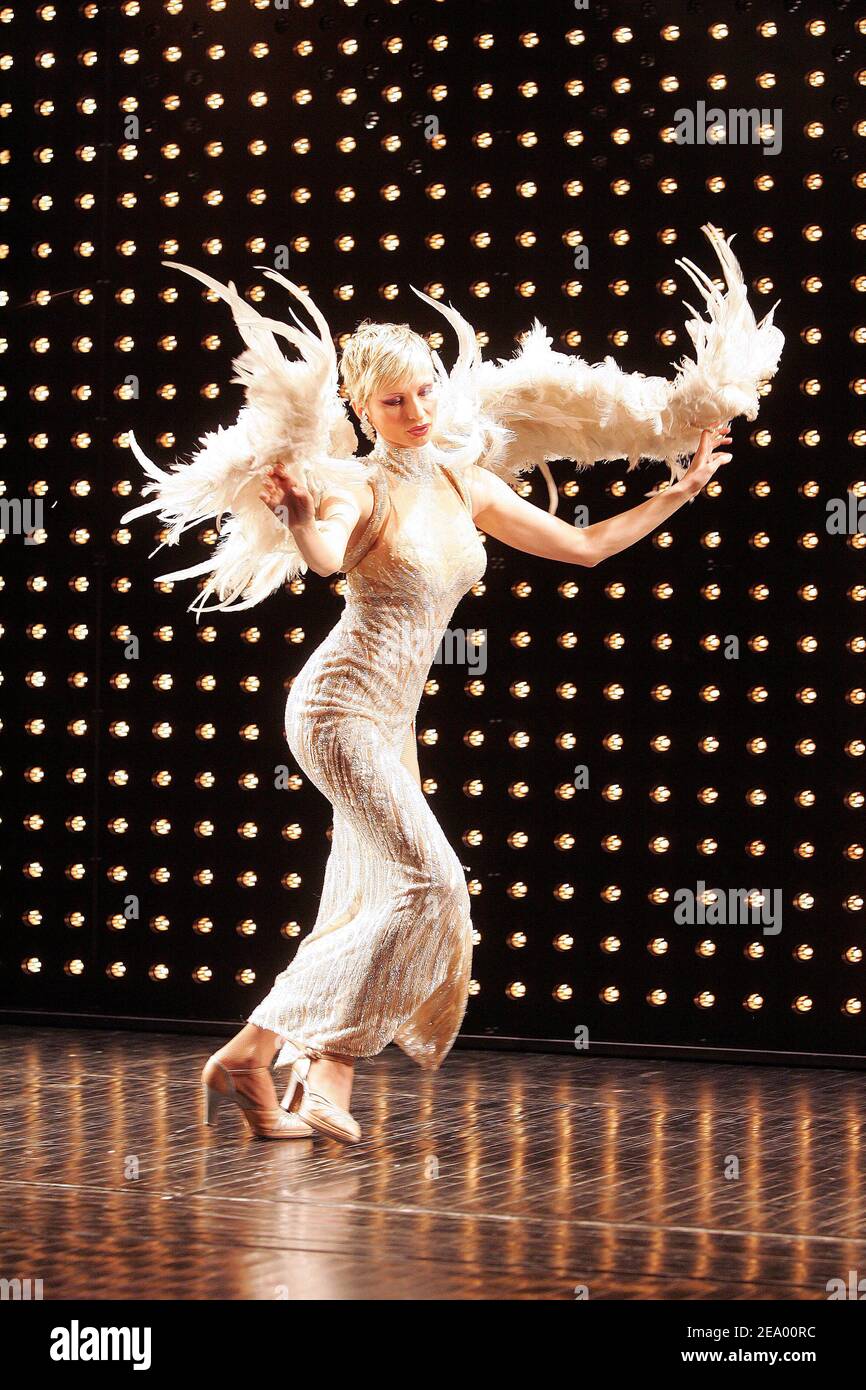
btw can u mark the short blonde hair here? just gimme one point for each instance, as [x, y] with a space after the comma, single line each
[378, 355]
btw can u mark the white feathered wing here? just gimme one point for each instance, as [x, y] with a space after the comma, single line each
[294, 418]
[542, 404]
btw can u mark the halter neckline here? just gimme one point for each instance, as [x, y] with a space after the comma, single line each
[413, 461]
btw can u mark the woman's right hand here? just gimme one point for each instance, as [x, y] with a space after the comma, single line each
[296, 501]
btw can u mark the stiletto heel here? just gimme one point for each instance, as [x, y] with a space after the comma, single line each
[315, 1109]
[211, 1099]
[218, 1084]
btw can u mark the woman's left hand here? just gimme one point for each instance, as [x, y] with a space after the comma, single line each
[704, 461]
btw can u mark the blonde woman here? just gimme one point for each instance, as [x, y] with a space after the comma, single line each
[388, 958]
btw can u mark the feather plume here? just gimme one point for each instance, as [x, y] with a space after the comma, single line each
[510, 416]
[542, 405]
[293, 419]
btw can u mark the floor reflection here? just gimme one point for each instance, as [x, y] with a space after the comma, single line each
[504, 1175]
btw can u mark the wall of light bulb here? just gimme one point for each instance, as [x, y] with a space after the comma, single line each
[685, 718]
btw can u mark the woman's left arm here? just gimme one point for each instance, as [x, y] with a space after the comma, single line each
[499, 512]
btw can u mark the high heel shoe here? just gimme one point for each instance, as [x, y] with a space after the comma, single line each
[315, 1109]
[218, 1084]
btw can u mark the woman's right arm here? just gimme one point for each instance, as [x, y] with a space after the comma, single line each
[321, 541]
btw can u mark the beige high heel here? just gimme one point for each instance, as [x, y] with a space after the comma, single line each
[315, 1109]
[218, 1084]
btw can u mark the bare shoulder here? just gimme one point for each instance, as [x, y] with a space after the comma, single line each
[480, 486]
[488, 489]
[360, 495]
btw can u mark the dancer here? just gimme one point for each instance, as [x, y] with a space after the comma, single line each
[388, 958]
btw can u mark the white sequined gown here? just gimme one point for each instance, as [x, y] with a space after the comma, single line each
[388, 958]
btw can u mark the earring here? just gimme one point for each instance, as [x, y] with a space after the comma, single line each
[367, 427]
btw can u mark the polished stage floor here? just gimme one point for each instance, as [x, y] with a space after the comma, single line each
[502, 1176]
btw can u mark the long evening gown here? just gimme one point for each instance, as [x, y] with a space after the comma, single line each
[389, 956]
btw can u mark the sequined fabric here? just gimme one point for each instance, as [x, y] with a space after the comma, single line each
[388, 958]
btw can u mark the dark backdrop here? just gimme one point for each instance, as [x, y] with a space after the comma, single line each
[153, 871]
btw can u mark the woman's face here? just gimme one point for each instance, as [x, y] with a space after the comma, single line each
[398, 412]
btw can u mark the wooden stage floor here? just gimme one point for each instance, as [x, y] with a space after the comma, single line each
[502, 1176]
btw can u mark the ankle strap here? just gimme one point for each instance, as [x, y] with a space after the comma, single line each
[303, 1050]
